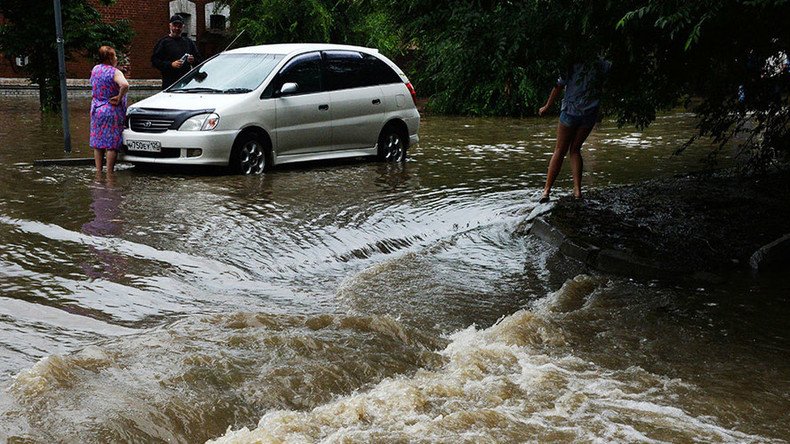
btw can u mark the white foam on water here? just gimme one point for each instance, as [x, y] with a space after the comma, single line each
[515, 381]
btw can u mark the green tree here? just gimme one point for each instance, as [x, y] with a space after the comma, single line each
[725, 58]
[355, 22]
[29, 30]
[281, 21]
[497, 57]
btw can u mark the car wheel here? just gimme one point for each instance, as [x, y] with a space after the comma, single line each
[249, 155]
[392, 145]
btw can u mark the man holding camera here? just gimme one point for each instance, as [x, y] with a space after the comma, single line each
[174, 54]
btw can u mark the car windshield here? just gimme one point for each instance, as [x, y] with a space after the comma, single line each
[228, 74]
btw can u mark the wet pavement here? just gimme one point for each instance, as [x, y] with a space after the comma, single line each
[704, 225]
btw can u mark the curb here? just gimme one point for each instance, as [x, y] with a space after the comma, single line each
[769, 257]
[605, 260]
[23, 87]
[24, 83]
[581, 251]
[772, 255]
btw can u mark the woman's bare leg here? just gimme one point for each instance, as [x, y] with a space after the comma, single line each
[97, 159]
[111, 156]
[565, 136]
[577, 163]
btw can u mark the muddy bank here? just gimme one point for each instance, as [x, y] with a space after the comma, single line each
[700, 225]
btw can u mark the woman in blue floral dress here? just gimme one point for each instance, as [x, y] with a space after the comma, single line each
[108, 108]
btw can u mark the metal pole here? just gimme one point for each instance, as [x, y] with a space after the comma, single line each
[64, 102]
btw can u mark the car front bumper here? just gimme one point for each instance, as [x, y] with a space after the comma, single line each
[180, 147]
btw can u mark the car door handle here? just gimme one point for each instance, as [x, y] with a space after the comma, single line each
[376, 101]
[323, 107]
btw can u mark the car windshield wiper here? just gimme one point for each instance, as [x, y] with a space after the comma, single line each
[237, 90]
[195, 90]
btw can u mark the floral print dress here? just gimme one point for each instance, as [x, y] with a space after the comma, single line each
[106, 119]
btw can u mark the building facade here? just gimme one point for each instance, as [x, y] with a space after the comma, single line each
[205, 22]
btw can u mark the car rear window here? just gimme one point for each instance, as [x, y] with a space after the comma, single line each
[352, 69]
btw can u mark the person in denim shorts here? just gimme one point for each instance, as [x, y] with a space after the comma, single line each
[578, 115]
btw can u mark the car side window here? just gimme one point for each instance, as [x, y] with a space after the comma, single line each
[344, 69]
[305, 71]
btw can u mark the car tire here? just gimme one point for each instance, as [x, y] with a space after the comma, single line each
[391, 145]
[250, 155]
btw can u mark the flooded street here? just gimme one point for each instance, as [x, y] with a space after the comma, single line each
[361, 301]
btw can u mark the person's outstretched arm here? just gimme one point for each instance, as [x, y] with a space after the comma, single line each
[550, 101]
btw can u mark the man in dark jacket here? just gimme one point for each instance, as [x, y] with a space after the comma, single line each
[174, 55]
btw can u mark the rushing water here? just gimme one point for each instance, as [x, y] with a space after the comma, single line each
[358, 301]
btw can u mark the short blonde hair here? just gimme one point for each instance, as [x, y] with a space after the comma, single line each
[106, 53]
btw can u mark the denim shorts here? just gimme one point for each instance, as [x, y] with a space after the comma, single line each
[585, 121]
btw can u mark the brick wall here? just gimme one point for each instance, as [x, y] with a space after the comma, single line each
[149, 19]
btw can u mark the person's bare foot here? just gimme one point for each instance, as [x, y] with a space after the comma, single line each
[544, 198]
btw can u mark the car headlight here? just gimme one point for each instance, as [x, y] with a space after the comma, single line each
[201, 122]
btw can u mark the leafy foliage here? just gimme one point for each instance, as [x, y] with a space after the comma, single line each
[727, 59]
[30, 30]
[282, 21]
[499, 57]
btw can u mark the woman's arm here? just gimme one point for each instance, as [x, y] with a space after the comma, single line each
[552, 97]
[123, 84]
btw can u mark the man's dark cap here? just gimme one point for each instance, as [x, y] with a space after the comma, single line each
[177, 19]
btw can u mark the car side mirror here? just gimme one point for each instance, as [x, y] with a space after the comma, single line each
[289, 88]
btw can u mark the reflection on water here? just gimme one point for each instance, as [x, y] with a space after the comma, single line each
[362, 301]
[105, 205]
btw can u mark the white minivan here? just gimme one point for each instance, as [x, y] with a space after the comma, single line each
[255, 107]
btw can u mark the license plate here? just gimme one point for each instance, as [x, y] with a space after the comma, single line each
[153, 146]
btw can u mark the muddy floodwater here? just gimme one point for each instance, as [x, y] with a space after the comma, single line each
[361, 302]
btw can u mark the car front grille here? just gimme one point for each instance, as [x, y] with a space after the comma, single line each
[146, 124]
[166, 153]
[158, 120]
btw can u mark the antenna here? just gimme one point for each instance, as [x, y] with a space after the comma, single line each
[234, 40]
